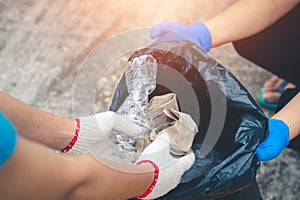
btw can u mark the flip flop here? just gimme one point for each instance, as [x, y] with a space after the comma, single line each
[270, 105]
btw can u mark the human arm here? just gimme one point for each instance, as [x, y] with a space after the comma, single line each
[283, 127]
[290, 115]
[245, 18]
[35, 124]
[35, 172]
[240, 20]
[31, 165]
[58, 132]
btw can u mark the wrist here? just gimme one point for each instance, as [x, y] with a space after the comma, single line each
[289, 114]
[155, 178]
[289, 123]
[283, 123]
[281, 128]
[74, 137]
[216, 39]
[203, 34]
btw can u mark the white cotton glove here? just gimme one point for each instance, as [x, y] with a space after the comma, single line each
[95, 130]
[170, 169]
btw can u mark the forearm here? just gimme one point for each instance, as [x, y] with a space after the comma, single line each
[35, 172]
[113, 180]
[290, 114]
[245, 18]
[51, 130]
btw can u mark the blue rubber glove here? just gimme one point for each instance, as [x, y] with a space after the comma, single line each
[171, 31]
[275, 142]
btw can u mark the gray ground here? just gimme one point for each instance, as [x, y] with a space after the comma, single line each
[43, 43]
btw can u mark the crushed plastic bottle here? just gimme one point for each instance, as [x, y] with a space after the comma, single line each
[140, 74]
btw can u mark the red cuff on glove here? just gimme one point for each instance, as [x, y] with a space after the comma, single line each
[156, 172]
[72, 143]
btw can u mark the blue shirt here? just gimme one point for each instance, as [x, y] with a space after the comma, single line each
[8, 139]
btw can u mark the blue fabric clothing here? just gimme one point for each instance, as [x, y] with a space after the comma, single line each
[8, 139]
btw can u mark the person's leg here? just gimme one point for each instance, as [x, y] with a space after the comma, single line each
[275, 49]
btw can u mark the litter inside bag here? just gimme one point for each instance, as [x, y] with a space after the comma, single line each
[230, 123]
[140, 76]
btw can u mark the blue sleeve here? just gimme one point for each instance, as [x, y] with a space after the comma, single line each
[8, 139]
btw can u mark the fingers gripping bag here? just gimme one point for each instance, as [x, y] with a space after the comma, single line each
[231, 125]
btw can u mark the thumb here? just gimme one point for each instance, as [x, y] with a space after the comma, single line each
[186, 162]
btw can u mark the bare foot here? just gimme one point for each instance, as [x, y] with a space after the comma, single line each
[270, 89]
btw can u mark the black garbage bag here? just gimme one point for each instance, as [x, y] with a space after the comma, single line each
[231, 124]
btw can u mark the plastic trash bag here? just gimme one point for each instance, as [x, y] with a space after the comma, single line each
[231, 124]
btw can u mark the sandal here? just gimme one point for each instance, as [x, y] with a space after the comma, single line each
[271, 105]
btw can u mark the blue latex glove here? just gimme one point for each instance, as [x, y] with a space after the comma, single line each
[171, 31]
[277, 139]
